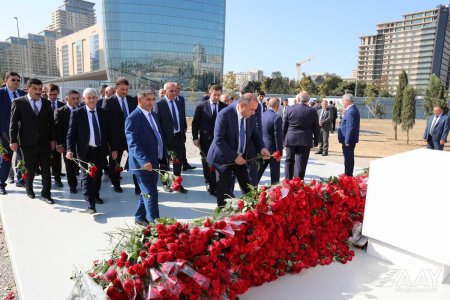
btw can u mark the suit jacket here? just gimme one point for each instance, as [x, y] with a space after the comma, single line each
[27, 129]
[5, 110]
[62, 122]
[115, 115]
[59, 104]
[142, 142]
[79, 133]
[251, 149]
[441, 129]
[204, 123]
[162, 109]
[348, 132]
[301, 126]
[272, 131]
[334, 112]
[224, 148]
[326, 120]
[100, 101]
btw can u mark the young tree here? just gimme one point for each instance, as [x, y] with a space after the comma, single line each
[408, 110]
[398, 100]
[230, 85]
[370, 93]
[306, 84]
[434, 95]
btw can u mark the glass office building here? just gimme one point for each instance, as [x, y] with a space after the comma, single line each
[156, 41]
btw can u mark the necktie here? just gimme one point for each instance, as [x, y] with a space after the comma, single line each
[53, 105]
[174, 116]
[158, 136]
[15, 95]
[35, 108]
[242, 136]
[124, 109]
[96, 129]
[214, 114]
[433, 124]
[321, 114]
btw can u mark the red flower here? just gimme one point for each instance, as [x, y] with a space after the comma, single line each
[276, 155]
[111, 274]
[128, 286]
[178, 179]
[5, 157]
[25, 175]
[164, 256]
[176, 161]
[176, 186]
[92, 170]
[240, 204]
[118, 170]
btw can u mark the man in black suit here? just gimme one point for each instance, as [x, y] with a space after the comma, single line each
[172, 119]
[91, 138]
[7, 94]
[300, 127]
[62, 121]
[203, 124]
[273, 139]
[55, 156]
[261, 101]
[103, 96]
[33, 129]
[179, 98]
[325, 124]
[119, 108]
[333, 110]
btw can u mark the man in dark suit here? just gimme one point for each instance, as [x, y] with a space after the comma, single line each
[91, 138]
[103, 96]
[171, 117]
[261, 101]
[32, 129]
[301, 132]
[119, 108]
[203, 124]
[273, 139]
[146, 148]
[55, 156]
[225, 99]
[325, 124]
[235, 128]
[437, 129]
[334, 113]
[62, 121]
[180, 99]
[348, 133]
[7, 94]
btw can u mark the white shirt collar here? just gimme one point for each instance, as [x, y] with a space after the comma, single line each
[29, 98]
[145, 112]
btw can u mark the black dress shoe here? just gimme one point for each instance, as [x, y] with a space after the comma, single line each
[212, 192]
[58, 183]
[31, 195]
[91, 210]
[98, 200]
[141, 223]
[318, 152]
[188, 167]
[118, 189]
[324, 154]
[3, 191]
[48, 199]
[20, 184]
[62, 174]
[183, 190]
[73, 190]
[137, 191]
[167, 188]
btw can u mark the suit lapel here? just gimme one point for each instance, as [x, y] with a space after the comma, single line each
[208, 108]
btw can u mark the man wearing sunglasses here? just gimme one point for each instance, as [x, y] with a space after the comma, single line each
[7, 94]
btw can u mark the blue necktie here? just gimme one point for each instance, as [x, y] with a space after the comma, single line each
[242, 137]
[96, 129]
[15, 95]
[214, 114]
[158, 136]
[53, 105]
[174, 116]
[124, 109]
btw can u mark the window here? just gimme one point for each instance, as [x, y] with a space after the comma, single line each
[65, 59]
[79, 57]
[94, 53]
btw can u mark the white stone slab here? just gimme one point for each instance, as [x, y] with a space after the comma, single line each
[46, 242]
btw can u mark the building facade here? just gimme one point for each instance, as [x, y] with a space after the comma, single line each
[251, 75]
[72, 16]
[164, 40]
[419, 44]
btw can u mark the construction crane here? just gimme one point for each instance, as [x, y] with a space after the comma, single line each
[299, 65]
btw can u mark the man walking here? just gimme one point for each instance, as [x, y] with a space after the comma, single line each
[348, 133]
[325, 124]
[334, 113]
[55, 156]
[437, 129]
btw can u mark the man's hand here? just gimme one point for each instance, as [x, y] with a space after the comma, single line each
[197, 143]
[240, 160]
[69, 155]
[148, 167]
[114, 155]
[14, 146]
[265, 153]
[347, 145]
[60, 149]
[442, 142]
[52, 145]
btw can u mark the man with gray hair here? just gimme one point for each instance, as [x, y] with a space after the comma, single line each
[348, 133]
[325, 124]
[301, 132]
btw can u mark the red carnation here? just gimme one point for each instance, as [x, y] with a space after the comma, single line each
[5, 157]
[178, 179]
[92, 171]
[111, 274]
[276, 155]
[240, 204]
[176, 186]
[164, 256]
[176, 161]
[128, 286]
[143, 254]
[25, 175]
[118, 170]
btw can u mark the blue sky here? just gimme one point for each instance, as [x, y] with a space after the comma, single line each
[271, 35]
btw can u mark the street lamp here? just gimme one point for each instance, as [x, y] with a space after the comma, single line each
[21, 55]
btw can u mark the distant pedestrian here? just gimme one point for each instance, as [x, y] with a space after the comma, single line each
[325, 123]
[348, 133]
[335, 115]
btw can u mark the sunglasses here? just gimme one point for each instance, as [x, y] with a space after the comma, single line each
[13, 79]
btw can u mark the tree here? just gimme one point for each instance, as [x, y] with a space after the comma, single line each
[193, 84]
[369, 101]
[434, 95]
[408, 110]
[398, 100]
[379, 109]
[230, 85]
[323, 92]
[306, 84]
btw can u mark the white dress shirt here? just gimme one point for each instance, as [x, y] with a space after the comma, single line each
[433, 124]
[38, 103]
[11, 94]
[214, 106]
[91, 126]
[125, 101]
[177, 118]
[239, 130]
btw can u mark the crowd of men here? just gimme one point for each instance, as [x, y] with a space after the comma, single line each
[236, 138]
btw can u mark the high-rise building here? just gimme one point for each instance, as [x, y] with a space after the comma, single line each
[419, 43]
[73, 16]
[251, 75]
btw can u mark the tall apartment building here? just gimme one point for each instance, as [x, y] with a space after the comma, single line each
[73, 16]
[419, 44]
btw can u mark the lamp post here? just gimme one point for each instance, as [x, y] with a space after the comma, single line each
[21, 55]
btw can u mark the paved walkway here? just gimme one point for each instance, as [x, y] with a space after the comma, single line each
[46, 241]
